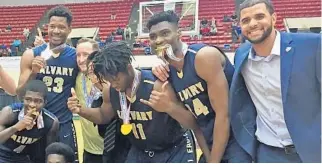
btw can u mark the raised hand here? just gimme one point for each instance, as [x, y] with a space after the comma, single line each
[26, 123]
[159, 101]
[39, 40]
[73, 103]
[161, 72]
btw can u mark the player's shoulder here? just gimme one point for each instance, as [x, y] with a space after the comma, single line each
[7, 109]
[194, 48]
[50, 120]
[28, 55]
[8, 115]
[68, 47]
[147, 76]
[42, 46]
[70, 50]
[48, 114]
[201, 48]
[207, 53]
[38, 49]
[16, 107]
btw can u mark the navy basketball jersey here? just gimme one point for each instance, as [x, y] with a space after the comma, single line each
[21, 142]
[59, 76]
[193, 91]
[152, 130]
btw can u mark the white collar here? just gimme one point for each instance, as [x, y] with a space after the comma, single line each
[185, 47]
[276, 50]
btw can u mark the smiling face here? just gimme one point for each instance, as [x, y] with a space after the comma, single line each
[58, 30]
[257, 23]
[83, 50]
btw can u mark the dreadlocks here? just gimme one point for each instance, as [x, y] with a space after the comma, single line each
[112, 59]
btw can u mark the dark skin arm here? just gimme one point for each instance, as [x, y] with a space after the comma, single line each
[209, 58]
[102, 115]
[29, 67]
[52, 135]
[6, 117]
[163, 99]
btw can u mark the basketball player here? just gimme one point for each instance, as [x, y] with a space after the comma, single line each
[7, 83]
[116, 145]
[22, 125]
[154, 134]
[199, 75]
[93, 142]
[59, 153]
[55, 64]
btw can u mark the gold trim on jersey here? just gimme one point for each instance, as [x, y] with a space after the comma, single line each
[180, 74]
[132, 100]
[148, 81]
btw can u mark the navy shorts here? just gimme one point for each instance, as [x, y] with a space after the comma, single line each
[67, 135]
[234, 153]
[182, 152]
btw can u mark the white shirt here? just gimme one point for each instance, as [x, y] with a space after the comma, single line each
[262, 78]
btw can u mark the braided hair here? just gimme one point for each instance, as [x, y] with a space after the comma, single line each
[111, 60]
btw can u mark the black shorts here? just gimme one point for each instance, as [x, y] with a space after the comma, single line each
[67, 135]
[182, 152]
[92, 158]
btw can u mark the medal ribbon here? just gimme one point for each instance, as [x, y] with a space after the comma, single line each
[47, 53]
[123, 102]
[88, 98]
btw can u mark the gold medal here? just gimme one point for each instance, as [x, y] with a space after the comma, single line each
[126, 129]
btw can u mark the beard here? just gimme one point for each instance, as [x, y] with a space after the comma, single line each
[265, 35]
